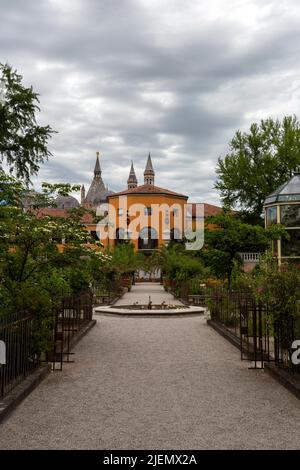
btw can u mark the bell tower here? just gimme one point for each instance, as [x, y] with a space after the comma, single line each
[149, 172]
[132, 180]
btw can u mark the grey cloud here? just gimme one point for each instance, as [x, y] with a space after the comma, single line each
[114, 77]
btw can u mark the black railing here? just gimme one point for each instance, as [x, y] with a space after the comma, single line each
[263, 335]
[21, 333]
[286, 331]
[224, 308]
[71, 318]
[16, 331]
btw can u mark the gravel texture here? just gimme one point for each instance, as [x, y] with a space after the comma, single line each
[155, 383]
[141, 291]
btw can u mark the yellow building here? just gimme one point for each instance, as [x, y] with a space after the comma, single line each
[148, 215]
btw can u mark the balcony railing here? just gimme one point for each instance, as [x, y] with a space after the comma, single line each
[250, 257]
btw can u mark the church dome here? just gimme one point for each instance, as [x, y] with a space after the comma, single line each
[66, 202]
[97, 193]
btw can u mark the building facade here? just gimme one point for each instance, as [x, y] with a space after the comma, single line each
[147, 215]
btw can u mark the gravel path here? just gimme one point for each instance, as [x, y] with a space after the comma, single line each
[155, 383]
[141, 291]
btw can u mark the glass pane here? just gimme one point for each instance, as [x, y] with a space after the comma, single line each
[290, 215]
[289, 197]
[291, 247]
[271, 214]
[120, 233]
[270, 199]
[148, 232]
[175, 234]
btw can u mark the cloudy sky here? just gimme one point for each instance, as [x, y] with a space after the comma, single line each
[173, 77]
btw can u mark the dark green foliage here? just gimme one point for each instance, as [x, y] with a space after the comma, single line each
[34, 274]
[226, 236]
[23, 143]
[180, 268]
[258, 162]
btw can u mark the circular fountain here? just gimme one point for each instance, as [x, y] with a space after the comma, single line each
[149, 299]
[150, 309]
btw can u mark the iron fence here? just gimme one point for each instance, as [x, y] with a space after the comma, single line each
[16, 330]
[224, 309]
[262, 335]
[286, 331]
[71, 317]
[21, 334]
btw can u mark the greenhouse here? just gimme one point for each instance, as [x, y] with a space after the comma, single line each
[283, 206]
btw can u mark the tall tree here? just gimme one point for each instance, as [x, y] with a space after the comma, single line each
[258, 162]
[23, 143]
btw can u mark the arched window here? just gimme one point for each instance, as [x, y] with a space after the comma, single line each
[120, 236]
[148, 239]
[175, 234]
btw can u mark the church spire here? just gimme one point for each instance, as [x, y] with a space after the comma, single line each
[132, 180]
[82, 194]
[97, 192]
[149, 172]
[97, 170]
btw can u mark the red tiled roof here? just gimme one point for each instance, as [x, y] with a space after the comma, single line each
[209, 209]
[63, 213]
[148, 189]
